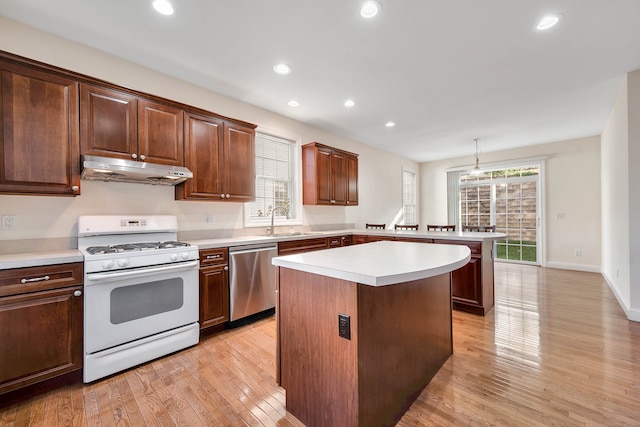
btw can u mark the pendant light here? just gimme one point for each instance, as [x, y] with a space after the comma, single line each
[476, 170]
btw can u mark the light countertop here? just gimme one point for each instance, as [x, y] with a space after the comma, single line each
[380, 263]
[33, 259]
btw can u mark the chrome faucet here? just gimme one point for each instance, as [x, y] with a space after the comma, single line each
[286, 212]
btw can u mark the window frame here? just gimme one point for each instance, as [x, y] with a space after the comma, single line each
[416, 205]
[294, 183]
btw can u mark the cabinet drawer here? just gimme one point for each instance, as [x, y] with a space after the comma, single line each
[297, 246]
[214, 256]
[475, 247]
[31, 279]
[334, 242]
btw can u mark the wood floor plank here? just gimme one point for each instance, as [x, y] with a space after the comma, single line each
[556, 350]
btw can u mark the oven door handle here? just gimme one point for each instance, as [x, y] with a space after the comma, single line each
[94, 277]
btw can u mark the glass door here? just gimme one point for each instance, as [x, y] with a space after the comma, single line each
[508, 199]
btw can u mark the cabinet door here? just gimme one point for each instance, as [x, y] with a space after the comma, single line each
[240, 163]
[466, 282]
[352, 180]
[324, 182]
[214, 295]
[108, 122]
[203, 155]
[339, 178]
[41, 336]
[160, 133]
[39, 132]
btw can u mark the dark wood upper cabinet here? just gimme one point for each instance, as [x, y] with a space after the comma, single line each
[39, 132]
[109, 125]
[122, 125]
[221, 155]
[330, 176]
[240, 162]
[160, 131]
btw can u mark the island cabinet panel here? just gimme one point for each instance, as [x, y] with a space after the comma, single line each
[400, 336]
[214, 287]
[221, 155]
[40, 324]
[39, 131]
[119, 124]
[318, 369]
[330, 176]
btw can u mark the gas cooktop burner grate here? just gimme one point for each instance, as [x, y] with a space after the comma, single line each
[129, 247]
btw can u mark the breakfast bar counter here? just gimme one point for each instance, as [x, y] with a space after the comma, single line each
[362, 329]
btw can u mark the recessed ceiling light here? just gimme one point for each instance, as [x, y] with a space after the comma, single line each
[282, 69]
[349, 103]
[163, 6]
[293, 103]
[390, 124]
[548, 21]
[370, 9]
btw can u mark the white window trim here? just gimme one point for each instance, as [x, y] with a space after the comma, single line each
[416, 195]
[296, 182]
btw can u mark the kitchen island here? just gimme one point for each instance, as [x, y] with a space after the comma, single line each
[362, 329]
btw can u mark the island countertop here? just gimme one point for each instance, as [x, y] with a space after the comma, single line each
[380, 263]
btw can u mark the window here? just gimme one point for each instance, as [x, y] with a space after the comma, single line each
[409, 191]
[275, 182]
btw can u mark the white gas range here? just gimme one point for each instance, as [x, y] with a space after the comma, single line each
[141, 291]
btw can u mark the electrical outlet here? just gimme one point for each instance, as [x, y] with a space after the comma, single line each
[344, 326]
[8, 222]
[578, 252]
[209, 219]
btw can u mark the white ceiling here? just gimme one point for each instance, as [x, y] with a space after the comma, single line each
[445, 71]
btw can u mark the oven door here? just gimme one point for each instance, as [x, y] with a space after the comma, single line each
[124, 306]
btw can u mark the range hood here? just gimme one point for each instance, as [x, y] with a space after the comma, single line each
[96, 168]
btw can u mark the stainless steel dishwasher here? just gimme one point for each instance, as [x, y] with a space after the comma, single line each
[252, 282]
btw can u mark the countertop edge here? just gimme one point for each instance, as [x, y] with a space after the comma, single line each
[325, 267]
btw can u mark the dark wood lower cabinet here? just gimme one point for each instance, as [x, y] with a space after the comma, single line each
[40, 336]
[214, 287]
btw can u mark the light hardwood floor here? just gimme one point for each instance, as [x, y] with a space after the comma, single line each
[556, 350]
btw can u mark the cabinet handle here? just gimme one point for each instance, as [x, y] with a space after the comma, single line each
[77, 293]
[134, 156]
[226, 268]
[34, 279]
[222, 196]
[142, 157]
[75, 188]
[213, 256]
[228, 196]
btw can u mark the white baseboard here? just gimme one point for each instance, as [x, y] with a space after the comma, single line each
[631, 313]
[577, 267]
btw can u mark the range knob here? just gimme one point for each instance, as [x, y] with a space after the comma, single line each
[184, 255]
[107, 264]
[123, 262]
[173, 257]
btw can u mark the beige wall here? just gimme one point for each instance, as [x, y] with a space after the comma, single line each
[621, 198]
[572, 188]
[39, 217]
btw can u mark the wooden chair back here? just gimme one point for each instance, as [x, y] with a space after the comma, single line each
[407, 227]
[480, 228]
[376, 226]
[432, 227]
